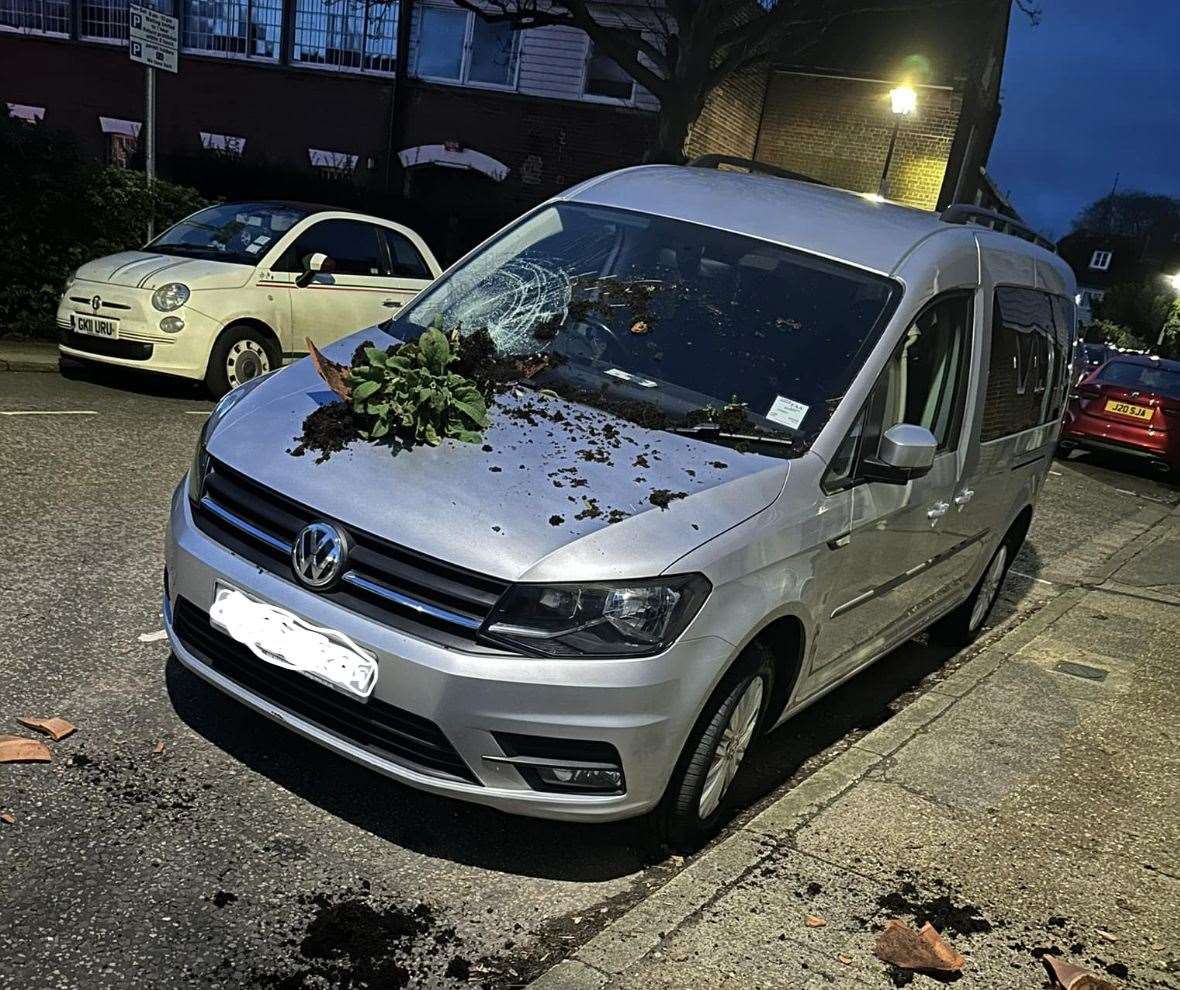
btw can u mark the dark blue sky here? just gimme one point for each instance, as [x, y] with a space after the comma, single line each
[1093, 90]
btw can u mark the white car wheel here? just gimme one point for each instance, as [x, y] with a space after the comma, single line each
[989, 588]
[731, 748]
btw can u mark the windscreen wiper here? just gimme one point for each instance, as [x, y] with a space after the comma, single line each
[711, 431]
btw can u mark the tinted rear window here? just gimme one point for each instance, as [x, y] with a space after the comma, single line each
[1145, 377]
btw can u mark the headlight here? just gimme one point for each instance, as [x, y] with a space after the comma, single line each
[171, 296]
[200, 466]
[600, 619]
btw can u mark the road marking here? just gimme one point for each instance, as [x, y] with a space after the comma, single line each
[1056, 474]
[196, 412]
[48, 412]
[153, 637]
[1029, 576]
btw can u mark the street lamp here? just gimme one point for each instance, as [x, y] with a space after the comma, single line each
[1174, 282]
[903, 101]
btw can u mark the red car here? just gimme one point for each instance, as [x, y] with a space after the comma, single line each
[1130, 405]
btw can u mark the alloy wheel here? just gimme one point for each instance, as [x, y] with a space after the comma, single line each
[989, 588]
[735, 740]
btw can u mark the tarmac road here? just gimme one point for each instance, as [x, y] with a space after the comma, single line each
[243, 855]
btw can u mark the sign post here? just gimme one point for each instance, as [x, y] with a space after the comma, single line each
[154, 41]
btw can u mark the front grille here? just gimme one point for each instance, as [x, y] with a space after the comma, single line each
[131, 350]
[384, 581]
[374, 725]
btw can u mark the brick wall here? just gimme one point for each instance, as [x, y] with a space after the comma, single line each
[837, 130]
[729, 123]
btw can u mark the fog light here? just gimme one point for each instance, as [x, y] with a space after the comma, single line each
[172, 324]
[592, 779]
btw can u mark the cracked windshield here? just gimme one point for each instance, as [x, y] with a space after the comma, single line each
[672, 315]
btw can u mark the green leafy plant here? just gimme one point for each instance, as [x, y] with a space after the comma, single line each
[409, 394]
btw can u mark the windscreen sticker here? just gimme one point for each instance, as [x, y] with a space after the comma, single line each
[262, 239]
[253, 248]
[787, 412]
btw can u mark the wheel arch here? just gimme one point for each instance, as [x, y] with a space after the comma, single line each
[253, 323]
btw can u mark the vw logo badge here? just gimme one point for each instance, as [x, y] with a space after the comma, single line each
[96, 303]
[318, 555]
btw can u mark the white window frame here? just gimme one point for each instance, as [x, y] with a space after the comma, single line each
[227, 144]
[594, 97]
[1100, 260]
[362, 69]
[246, 56]
[465, 55]
[39, 32]
[23, 111]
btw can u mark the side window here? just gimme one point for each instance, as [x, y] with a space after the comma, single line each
[926, 382]
[405, 261]
[351, 244]
[1025, 364]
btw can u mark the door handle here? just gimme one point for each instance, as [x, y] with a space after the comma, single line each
[937, 510]
[391, 304]
[965, 496]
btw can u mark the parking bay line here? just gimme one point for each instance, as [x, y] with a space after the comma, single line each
[1029, 576]
[48, 412]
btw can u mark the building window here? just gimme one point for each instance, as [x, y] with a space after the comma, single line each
[35, 16]
[234, 28]
[333, 164]
[106, 20]
[122, 139]
[605, 79]
[21, 111]
[459, 46]
[223, 144]
[1100, 260]
[346, 34]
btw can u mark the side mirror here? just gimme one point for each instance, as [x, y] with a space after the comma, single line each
[906, 452]
[315, 263]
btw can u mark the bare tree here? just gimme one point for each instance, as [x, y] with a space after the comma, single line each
[681, 50]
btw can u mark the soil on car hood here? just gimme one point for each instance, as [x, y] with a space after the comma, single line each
[489, 506]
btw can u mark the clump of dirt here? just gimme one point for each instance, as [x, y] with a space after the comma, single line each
[943, 911]
[661, 498]
[556, 520]
[327, 430]
[358, 356]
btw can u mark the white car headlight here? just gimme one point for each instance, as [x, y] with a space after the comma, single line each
[171, 296]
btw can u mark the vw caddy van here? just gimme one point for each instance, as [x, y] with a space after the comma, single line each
[227, 293]
[593, 613]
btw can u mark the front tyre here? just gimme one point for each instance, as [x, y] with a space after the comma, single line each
[240, 354]
[696, 802]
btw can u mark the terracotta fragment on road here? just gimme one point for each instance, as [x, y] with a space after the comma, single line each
[7, 817]
[924, 950]
[158, 748]
[56, 728]
[1070, 977]
[20, 749]
[814, 921]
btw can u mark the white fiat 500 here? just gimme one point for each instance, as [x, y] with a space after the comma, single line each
[230, 291]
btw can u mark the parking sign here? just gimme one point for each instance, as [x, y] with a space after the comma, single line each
[154, 38]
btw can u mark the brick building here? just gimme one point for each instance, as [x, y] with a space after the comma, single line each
[426, 100]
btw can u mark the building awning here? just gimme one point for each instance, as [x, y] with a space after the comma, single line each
[113, 125]
[22, 111]
[340, 161]
[453, 156]
[223, 142]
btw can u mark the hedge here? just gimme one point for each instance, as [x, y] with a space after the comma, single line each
[58, 211]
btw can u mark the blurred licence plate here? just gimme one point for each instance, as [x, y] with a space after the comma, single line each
[1129, 409]
[96, 326]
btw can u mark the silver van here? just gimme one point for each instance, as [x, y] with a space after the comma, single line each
[790, 428]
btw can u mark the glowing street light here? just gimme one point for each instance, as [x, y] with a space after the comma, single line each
[903, 101]
[1174, 281]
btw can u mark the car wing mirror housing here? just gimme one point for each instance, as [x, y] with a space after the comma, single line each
[312, 266]
[906, 452]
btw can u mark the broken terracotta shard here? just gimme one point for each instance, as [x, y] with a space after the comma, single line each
[335, 375]
[923, 951]
[19, 749]
[56, 728]
[1070, 977]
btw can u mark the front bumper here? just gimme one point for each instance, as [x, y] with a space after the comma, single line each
[643, 707]
[141, 344]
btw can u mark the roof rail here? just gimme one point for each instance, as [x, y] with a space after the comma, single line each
[968, 213]
[734, 162]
